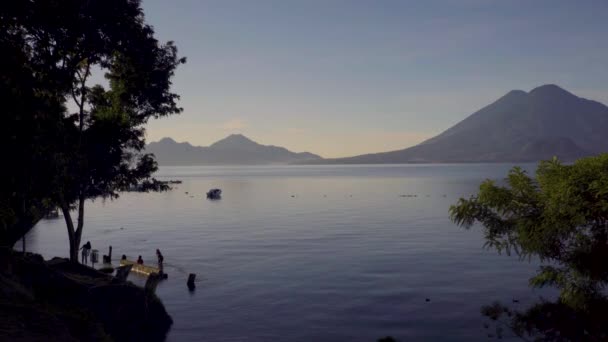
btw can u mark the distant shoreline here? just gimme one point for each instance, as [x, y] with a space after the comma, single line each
[354, 164]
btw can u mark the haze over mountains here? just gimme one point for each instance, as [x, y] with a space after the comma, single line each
[235, 149]
[520, 126]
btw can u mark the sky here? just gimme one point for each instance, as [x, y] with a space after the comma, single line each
[341, 78]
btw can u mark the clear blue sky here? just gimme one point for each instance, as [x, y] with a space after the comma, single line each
[341, 78]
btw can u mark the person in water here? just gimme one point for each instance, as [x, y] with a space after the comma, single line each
[86, 250]
[140, 261]
[160, 261]
[124, 257]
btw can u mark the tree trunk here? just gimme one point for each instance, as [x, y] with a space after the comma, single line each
[74, 234]
[65, 209]
[78, 233]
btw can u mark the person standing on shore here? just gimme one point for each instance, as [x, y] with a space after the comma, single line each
[86, 250]
[161, 259]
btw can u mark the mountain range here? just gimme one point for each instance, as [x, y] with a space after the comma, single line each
[235, 149]
[518, 127]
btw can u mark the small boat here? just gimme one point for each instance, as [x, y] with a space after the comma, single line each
[139, 268]
[214, 194]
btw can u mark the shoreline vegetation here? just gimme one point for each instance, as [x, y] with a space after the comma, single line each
[69, 301]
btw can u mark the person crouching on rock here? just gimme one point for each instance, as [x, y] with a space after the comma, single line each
[86, 250]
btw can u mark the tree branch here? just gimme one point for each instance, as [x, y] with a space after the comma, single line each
[83, 90]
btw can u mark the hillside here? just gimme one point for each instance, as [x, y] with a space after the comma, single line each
[519, 127]
[235, 149]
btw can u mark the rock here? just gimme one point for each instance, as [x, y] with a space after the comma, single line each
[107, 270]
[190, 282]
[73, 302]
[128, 313]
[387, 339]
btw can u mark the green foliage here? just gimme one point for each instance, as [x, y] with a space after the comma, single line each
[94, 150]
[561, 217]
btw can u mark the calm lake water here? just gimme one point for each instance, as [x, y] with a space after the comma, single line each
[310, 253]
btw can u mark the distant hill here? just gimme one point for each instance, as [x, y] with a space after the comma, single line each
[519, 127]
[235, 149]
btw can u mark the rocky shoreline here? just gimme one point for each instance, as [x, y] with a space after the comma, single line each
[69, 302]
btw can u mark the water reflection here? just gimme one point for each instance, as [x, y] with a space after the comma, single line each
[550, 320]
[321, 266]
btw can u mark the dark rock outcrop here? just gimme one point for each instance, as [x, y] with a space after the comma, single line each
[69, 301]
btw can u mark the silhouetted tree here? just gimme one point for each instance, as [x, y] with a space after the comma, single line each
[97, 147]
[560, 216]
[30, 118]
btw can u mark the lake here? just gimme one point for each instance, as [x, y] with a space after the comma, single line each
[310, 253]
